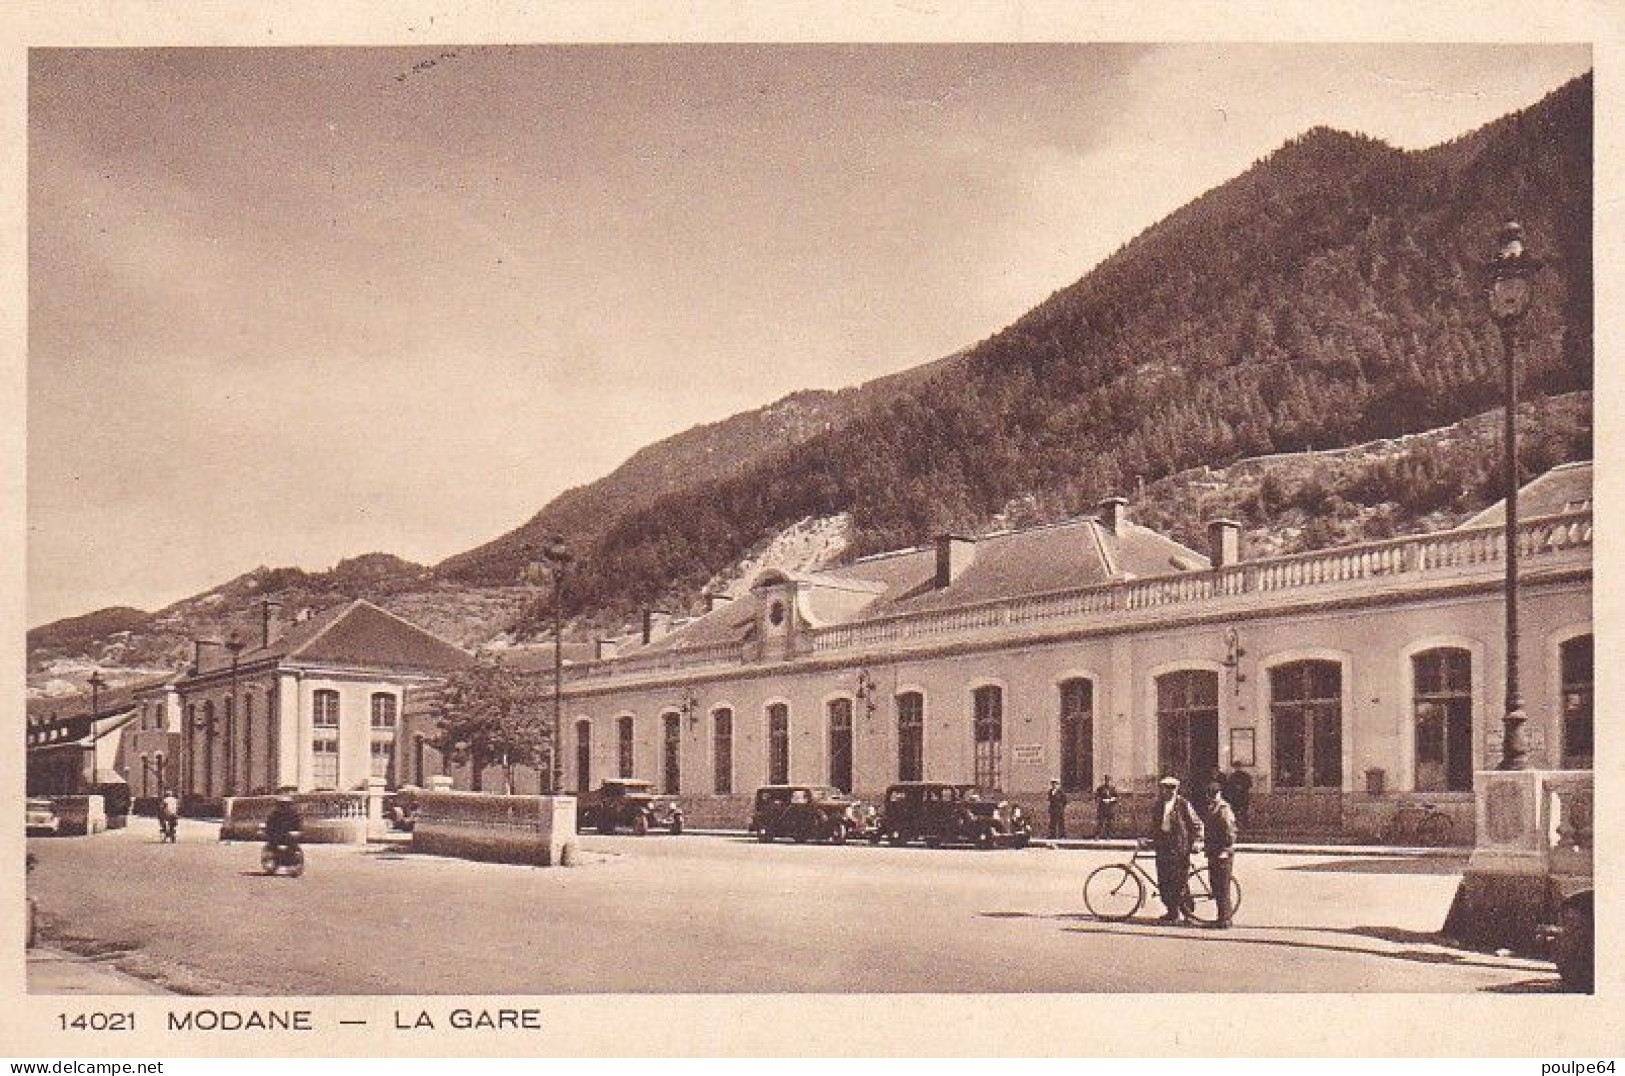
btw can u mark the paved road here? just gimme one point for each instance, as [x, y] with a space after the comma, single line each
[698, 914]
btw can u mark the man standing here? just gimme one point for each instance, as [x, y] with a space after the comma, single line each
[169, 817]
[1238, 791]
[1175, 831]
[1057, 811]
[1220, 845]
[1105, 808]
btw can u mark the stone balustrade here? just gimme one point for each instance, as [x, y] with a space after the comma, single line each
[1396, 564]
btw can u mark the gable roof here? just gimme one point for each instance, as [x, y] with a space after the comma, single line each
[1564, 488]
[358, 633]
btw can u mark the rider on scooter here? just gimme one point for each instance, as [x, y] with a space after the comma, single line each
[282, 826]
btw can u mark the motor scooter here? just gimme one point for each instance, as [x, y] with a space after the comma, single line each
[286, 855]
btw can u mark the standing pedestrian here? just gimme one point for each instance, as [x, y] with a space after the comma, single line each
[1105, 808]
[1219, 843]
[1057, 811]
[1176, 830]
[169, 817]
[1238, 791]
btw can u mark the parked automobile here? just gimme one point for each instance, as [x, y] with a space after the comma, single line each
[42, 816]
[627, 804]
[807, 813]
[945, 813]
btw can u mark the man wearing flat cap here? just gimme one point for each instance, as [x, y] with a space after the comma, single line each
[1176, 829]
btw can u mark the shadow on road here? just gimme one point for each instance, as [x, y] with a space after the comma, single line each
[1442, 953]
[1440, 864]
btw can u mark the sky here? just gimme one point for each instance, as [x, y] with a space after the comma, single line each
[288, 306]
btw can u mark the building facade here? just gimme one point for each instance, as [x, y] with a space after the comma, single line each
[1347, 682]
[318, 707]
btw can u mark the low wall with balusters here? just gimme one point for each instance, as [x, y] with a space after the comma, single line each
[489, 826]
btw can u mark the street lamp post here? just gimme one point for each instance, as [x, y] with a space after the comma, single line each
[1508, 301]
[96, 685]
[234, 646]
[557, 557]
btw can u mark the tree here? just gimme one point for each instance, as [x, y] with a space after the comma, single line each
[489, 713]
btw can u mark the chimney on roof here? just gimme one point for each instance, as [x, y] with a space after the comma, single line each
[1223, 542]
[1113, 514]
[606, 649]
[954, 554]
[269, 620]
[656, 623]
[713, 601]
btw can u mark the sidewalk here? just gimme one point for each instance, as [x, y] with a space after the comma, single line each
[52, 971]
[1261, 847]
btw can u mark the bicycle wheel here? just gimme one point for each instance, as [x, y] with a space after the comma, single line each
[1113, 892]
[1204, 906]
[1434, 830]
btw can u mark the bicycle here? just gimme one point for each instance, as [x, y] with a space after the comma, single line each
[1118, 890]
[1423, 825]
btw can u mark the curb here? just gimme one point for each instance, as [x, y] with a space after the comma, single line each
[1283, 849]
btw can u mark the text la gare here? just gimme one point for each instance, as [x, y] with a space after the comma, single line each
[470, 1020]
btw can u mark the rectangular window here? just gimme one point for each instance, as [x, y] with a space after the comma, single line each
[1576, 676]
[722, 750]
[383, 710]
[778, 744]
[383, 755]
[988, 722]
[911, 736]
[324, 769]
[583, 756]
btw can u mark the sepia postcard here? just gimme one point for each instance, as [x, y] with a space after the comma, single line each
[827, 530]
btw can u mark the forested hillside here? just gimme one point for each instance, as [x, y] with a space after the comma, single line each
[1331, 294]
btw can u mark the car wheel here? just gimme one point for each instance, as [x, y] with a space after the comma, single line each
[933, 841]
[640, 825]
[876, 836]
[1575, 957]
[676, 826]
[607, 826]
[897, 838]
[765, 835]
[985, 839]
[837, 833]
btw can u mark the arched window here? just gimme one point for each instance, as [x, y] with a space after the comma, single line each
[623, 733]
[722, 750]
[840, 744]
[911, 736]
[583, 755]
[1442, 700]
[987, 724]
[1077, 735]
[778, 744]
[324, 744]
[1188, 726]
[1575, 672]
[1306, 721]
[382, 744]
[672, 752]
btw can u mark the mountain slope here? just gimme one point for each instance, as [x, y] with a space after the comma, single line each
[688, 460]
[1331, 294]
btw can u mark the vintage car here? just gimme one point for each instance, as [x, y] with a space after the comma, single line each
[945, 813]
[627, 804]
[42, 816]
[807, 813]
[1570, 914]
